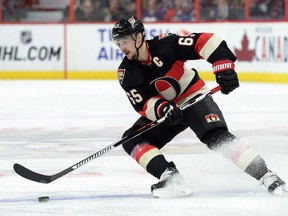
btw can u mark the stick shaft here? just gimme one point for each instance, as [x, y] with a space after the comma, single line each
[33, 176]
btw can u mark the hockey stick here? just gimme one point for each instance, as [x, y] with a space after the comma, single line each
[37, 177]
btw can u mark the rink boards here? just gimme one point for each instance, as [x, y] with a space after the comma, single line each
[85, 51]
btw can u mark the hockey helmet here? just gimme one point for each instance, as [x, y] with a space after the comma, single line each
[127, 26]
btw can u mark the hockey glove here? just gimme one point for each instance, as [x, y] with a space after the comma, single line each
[226, 76]
[174, 115]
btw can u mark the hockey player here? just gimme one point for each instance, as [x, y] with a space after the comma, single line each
[156, 81]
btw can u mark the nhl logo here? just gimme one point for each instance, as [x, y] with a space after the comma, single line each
[121, 74]
[26, 37]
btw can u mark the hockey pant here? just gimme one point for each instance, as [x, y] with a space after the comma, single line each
[206, 120]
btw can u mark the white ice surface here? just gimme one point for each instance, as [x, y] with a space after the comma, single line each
[50, 125]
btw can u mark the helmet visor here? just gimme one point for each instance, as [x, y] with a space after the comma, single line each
[123, 42]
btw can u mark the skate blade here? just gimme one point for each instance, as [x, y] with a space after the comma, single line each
[281, 190]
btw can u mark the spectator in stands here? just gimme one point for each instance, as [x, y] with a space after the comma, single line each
[208, 9]
[13, 10]
[151, 11]
[222, 10]
[267, 9]
[87, 12]
[277, 9]
[236, 10]
[130, 7]
[114, 11]
[7, 8]
[259, 9]
[182, 11]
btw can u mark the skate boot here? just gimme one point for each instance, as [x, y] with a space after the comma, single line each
[170, 185]
[275, 185]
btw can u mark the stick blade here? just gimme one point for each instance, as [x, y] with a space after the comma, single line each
[29, 174]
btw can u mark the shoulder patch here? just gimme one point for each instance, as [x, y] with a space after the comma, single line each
[121, 74]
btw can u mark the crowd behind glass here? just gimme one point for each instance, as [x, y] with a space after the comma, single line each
[147, 10]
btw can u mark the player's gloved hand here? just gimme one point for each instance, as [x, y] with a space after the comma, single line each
[174, 115]
[226, 76]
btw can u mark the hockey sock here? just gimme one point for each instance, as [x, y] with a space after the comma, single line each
[257, 168]
[245, 157]
[150, 158]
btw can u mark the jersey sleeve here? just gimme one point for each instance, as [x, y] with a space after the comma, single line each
[206, 46]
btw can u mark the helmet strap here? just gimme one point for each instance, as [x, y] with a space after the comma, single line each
[137, 48]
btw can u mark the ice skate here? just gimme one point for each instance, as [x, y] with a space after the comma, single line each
[274, 184]
[171, 185]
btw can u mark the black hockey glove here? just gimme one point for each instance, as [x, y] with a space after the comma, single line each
[174, 115]
[226, 76]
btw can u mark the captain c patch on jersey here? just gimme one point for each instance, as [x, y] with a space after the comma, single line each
[121, 74]
[212, 118]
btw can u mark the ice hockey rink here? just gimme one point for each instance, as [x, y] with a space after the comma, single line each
[48, 126]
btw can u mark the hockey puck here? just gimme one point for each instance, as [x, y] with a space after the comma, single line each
[43, 198]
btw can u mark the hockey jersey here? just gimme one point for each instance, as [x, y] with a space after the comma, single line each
[164, 76]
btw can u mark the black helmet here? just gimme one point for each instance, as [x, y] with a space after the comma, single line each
[127, 26]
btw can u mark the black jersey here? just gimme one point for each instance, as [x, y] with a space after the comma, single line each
[164, 76]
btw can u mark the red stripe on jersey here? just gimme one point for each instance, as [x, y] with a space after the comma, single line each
[140, 150]
[195, 87]
[145, 107]
[142, 113]
[176, 71]
[202, 40]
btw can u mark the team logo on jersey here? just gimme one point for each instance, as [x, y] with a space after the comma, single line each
[121, 74]
[212, 118]
[168, 87]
